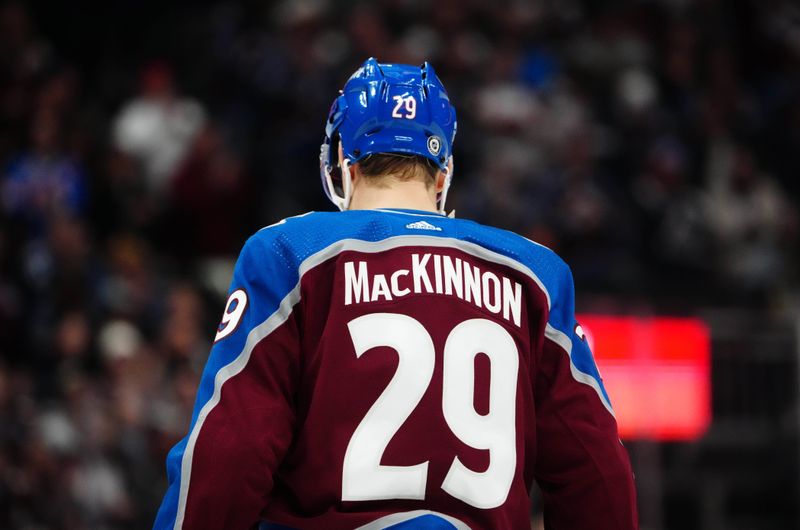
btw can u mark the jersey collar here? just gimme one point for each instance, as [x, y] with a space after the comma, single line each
[408, 211]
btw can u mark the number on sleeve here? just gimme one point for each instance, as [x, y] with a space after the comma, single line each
[234, 309]
[364, 477]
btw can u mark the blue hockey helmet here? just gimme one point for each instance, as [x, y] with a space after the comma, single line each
[387, 108]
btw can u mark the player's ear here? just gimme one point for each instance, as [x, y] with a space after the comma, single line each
[441, 177]
[355, 174]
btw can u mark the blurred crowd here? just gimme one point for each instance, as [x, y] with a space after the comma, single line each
[653, 144]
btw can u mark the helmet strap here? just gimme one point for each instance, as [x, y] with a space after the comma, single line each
[448, 176]
[340, 201]
[347, 185]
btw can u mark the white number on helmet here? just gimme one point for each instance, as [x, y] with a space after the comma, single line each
[405, 107]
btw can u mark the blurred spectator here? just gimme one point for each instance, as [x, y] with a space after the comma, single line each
[157, 126]
[132, 287]
[210, 199]
[750, 219]
[23, 56]
[45, 182]
[672, 209]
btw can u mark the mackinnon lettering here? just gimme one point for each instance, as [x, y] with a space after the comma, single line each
[436, 274]
[355, 285]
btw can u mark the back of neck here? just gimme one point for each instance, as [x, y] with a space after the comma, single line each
[411, 195]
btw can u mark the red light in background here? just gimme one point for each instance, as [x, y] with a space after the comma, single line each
[657, 373]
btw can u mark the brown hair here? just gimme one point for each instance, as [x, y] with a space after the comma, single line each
[381, 168]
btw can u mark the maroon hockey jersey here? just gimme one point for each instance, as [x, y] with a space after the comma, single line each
[398, 369]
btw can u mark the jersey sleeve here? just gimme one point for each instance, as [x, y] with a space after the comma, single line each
[221, 473]
[581, 466]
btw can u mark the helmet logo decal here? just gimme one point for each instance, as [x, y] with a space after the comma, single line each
[434, 145]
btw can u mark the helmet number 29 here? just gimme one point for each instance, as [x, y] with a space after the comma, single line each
[405, 107]
[365, 478]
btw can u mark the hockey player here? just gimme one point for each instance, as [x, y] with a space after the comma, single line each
[387, 366]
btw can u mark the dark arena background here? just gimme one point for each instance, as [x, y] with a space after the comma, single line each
[654, 144]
